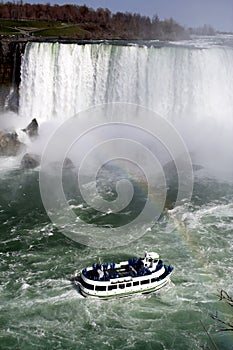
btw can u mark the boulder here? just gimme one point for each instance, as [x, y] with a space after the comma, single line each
[9, 144]
[32, 128]
[68, 164]
[30, 161]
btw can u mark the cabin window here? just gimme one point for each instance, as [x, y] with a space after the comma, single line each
[100, 288]
[153, 280]
[145, 282]
[136, 283]
[128, 284]
[87, 285]
[114, 286]
[124, 267]
[122, 285]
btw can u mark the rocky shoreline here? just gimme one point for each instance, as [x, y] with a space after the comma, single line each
[11, 146]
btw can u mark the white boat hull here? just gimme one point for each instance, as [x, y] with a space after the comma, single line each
[118, 293]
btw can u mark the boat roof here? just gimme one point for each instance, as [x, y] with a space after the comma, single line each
[153, 255]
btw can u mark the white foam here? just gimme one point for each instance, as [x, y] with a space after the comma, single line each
[191, 88]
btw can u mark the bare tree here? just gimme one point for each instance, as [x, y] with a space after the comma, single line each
[226, 326]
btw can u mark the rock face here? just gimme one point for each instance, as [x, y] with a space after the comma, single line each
[9, 144]
[11, 52]
[32, 128]
[30, 161]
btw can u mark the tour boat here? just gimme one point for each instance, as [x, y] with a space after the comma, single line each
[137, 275]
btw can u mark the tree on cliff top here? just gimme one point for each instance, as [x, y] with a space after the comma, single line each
[101, 21]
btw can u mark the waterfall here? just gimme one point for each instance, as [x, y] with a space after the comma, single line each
[190, 86]
[58, 80]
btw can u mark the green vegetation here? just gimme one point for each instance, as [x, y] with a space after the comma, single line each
[40, 28]
[73, 21]
[8, 31]
[27, 24]
[68, 31]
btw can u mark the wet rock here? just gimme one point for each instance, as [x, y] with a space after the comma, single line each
[32, 128]
[170, 169]
[68, 164]
[197, 167]
[9, 144]
[30, 161]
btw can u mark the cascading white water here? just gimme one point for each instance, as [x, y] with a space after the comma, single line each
[58, 80]
[191, 87]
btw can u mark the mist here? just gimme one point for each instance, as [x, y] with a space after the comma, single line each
[189, 87]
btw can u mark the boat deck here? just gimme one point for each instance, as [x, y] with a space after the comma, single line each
[134, 268]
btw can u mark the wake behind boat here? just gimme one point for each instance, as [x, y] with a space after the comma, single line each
[137, 275]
